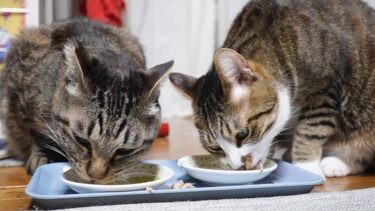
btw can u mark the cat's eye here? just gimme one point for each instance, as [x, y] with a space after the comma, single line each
[82, 141]
[124, 152]
[216, 148]
[69, 82]
[242, 134]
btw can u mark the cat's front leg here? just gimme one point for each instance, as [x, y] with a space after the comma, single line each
[36, 159]
[307, 155]
[317, 123]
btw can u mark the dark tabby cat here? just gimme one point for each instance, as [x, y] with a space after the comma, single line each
[306, 64]
[79, 90]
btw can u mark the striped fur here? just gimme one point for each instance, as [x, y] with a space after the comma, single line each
[323, 52]
[78, 91]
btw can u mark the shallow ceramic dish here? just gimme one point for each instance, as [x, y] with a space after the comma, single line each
[145, 175]
[213, 169]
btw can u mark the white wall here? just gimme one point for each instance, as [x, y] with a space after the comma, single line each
[227, 10]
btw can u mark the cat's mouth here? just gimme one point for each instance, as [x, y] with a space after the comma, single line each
[247, 163]
[77, 176]
[84, 178]
[258, 165]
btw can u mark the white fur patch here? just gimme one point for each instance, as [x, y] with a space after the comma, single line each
[153, 109]
[239, 93]
[95, 134]
[260, 150]
[334, 167]
[311, 166]
[230, 69]
[73, 90]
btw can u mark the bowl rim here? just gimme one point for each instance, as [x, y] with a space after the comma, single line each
[170, 174]
[231, 172]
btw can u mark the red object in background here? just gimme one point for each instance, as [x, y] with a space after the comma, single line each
[107, 11]
[164, 130]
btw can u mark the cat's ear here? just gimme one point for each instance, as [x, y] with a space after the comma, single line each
[155, 75]
[236, 76]
[78, 62]
[185, 83]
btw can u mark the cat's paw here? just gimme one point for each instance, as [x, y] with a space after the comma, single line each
[34, 161]
[334, 167]
[311, 166]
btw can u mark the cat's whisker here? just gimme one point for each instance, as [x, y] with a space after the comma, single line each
[47, 114]
[52, 135]
[47, 125]
[55, 141]
[58, 151]
[50, 128]
[287, 128]
[276, 142]
[53, 148]
[286, 133]
[296, 110]
[129, 167]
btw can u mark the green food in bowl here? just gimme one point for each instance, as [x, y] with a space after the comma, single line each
[133, 179]
[140, 174]
[217, 162]
[211, 162]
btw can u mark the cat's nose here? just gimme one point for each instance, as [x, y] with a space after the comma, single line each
[97, 168]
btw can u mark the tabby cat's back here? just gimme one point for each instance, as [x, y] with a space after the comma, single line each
[322, 53]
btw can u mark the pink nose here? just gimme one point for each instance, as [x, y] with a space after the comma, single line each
[97, 168]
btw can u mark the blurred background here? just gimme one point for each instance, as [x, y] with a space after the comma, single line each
[187, 31]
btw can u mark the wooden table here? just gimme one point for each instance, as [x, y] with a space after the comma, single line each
[183, 140]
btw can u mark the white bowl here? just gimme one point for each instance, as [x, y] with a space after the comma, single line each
[212, 169]
[161, 173]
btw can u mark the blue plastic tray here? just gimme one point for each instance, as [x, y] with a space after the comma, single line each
[48, 191]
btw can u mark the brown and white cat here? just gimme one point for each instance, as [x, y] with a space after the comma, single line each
[78, 90]
[307, 67]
